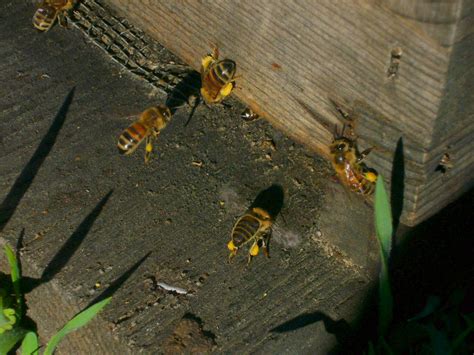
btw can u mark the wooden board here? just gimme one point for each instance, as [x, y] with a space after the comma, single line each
[165, 223]
[401, 68]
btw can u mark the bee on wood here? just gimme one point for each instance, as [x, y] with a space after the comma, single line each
[248, 115]
[147, 128]
[347, 162]
[253, 228]
[217, 77]
[50, 10]
[445, 163]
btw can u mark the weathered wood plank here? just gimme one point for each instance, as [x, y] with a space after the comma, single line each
[308, 53]
[182, 213]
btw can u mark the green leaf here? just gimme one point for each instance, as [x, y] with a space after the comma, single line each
[385, 298]
[461, 337]
[16, 277]
[383, 218]
[371, 349]
[432, 304]
[10, 338]
[29, 345]
[439, 341]
[384, 230]
[75, 323]
[7, 319]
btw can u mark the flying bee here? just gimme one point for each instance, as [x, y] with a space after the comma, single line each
[253, 228]
[50, 10]
[249, 115]
[147, 128]
[347, 162]
[217, 77]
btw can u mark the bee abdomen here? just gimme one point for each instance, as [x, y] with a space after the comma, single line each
[223, 71]
[131, 138]
[44, 18]
[245, 229]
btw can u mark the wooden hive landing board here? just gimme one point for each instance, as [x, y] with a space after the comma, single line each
[295, 58]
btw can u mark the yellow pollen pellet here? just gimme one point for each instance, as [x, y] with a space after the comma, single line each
[371, 176]
[254, 250]
[231, 246]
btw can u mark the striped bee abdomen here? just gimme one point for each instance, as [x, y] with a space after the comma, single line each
[131, 137]
[245, 229]
[223, 71]
[357, 181]
[44, 17]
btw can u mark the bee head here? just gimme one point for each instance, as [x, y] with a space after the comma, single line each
[165, 112]
[339, 149]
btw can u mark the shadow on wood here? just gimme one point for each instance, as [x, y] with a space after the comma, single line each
[27, 175]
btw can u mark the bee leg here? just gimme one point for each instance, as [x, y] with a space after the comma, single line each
[215, 51]
[226, 89]
[254, 249]
[206, 62]
[148, 149]
[62, 20]
[231, 256]
[195, 106]
[364, 154]
[233, 250]
[266, 243]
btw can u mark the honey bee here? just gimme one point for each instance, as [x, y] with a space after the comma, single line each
[217, 77]
[48, 11]
[249, 115]
[347, 162]
[445, 163]
[254, 228]
[147, 128]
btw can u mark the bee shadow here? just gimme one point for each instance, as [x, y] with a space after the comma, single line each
[183, 94]
[270, 200]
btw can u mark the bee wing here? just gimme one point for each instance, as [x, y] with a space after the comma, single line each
[284, 236]
[133, 117]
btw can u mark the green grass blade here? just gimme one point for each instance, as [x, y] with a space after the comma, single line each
[383, 218]
[30, 345]
[432, 305]
[10, 338]
[384, 230]
[75, 323]
[439, 341]
[371, 349]
[16, 277]
[461, 337]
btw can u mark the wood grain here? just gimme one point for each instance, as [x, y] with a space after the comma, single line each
[295, 55]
